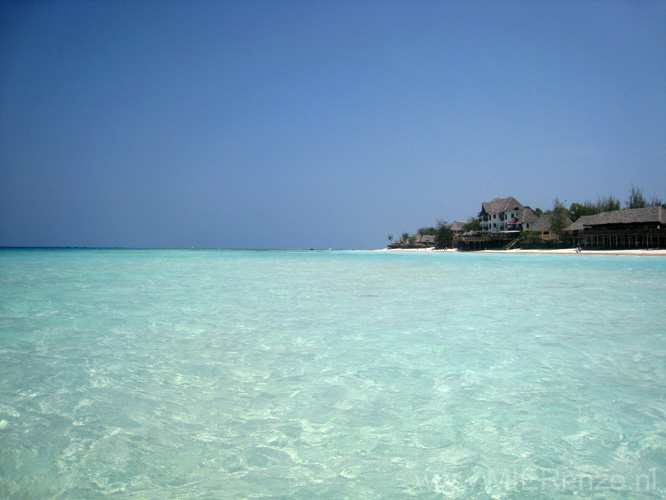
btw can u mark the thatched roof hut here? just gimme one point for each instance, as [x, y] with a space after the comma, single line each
[649, 217]
[457, 226]
[426, 239]
[501, 205]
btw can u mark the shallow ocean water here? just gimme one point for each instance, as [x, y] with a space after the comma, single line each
[286, 374]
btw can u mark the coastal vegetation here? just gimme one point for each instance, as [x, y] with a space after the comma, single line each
[445, 235]
[472, 224]
[427, 231]
[440, 236]
[610, 203]
[637, 200]
[552, 224]
[559, 217]
[603, 204]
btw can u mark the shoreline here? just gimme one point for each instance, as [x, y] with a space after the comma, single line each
[560, 251]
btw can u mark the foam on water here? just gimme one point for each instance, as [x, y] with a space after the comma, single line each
[230, 374]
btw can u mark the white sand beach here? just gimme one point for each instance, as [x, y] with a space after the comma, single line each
[562, 251]
[572, 251]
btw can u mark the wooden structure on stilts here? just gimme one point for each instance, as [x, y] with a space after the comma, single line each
[621, 240]
[635, 228]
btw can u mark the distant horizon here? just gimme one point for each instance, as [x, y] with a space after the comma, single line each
[287, 248]
[178, 248]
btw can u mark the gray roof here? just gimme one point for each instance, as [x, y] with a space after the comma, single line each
[457, 225]
[499, 205]
[627, 216]
[543, 223]
[529, 216]
[524, 216]
[427, 238]
[580, 223]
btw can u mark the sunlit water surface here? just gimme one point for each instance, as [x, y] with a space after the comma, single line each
[361, 375]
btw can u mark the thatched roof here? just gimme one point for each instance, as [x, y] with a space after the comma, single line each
[649, 215]
[580, 223]
[500, 205]
[527, 216]
[426, 238]
[457, 226]
[544, 223]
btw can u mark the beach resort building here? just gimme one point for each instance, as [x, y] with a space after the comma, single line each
[457, 227]
[426, 240]
[629, 228]
[543, 227]
[506, 214]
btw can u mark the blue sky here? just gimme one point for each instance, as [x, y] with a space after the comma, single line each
[297, 124]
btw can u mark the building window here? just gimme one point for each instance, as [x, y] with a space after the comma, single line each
[494, 225]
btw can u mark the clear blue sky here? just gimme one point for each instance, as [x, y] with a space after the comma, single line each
[298, 124]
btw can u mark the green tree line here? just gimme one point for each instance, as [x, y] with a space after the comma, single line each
[609, 203]
[559, 215]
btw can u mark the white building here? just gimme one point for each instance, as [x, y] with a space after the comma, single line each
[505, 214]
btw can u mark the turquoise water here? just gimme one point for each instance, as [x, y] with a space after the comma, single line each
[252, 374]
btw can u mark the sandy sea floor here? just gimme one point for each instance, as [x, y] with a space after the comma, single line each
[236, 374]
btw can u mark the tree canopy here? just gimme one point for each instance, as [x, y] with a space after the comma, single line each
[444, 236]
[636, 198]
[424, 231]
[558, 216]
[472, 224]
[603, 204]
